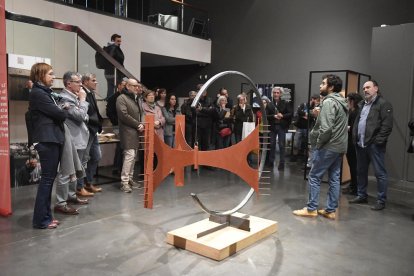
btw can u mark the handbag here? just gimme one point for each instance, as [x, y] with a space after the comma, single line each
[248, 127]
[224, 132]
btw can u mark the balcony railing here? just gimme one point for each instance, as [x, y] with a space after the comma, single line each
[175, 15]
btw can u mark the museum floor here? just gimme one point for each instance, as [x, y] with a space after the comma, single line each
[115, 235]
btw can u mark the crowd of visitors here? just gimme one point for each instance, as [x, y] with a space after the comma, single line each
[63, 128]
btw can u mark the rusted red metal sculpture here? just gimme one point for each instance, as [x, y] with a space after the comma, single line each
[233, 159]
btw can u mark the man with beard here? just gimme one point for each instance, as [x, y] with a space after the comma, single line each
[372, 127]
[329, 138]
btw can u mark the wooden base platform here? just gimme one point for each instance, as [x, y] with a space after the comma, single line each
[222, 243]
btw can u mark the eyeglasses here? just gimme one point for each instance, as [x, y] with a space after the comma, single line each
[78, 82]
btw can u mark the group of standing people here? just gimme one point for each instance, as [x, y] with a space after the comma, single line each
[63, 129]
[359, 128]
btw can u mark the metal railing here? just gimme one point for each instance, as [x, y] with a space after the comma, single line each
[175, 15]
[70, 28]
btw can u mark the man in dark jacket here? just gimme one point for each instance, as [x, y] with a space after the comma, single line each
[93, 150]
[130, 115]
[372, 127]
[113, 117]
[203, 121]
[187, 111]
[279, 125]
[115, 51]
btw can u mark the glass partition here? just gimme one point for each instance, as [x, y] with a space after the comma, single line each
[29, 40]
[86, 64]
[175, 15]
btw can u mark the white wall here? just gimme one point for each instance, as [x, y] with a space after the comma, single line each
[136, 37]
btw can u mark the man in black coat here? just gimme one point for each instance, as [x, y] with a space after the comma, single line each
[372, 127]
[203, 121]
[93, 149]
[115, 51]
[113, 117]
[279, 125]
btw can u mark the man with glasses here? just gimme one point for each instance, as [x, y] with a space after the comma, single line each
[130, 115]
[73, 98]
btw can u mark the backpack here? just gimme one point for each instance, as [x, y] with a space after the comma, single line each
[100, 60]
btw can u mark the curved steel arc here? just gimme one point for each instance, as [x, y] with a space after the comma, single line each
[264, 150]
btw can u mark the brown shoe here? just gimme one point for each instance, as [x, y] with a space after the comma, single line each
[77, 200]
[67, 210]
[93, 189]
[83, 192]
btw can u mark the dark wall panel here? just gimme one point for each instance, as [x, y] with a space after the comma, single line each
[392, 59]
[281, 41]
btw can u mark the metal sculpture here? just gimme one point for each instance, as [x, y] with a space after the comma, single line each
[183, 155]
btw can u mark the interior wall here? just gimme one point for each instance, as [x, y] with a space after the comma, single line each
[31, 40]
[24, 39]
[66, 53]
[136, 37]
[281, 41]
[392, 60]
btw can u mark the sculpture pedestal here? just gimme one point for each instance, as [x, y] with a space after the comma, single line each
[222, 243]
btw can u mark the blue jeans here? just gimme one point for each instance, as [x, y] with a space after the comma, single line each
[49, 155]
[375, 154]
[325, 160]
[301, 142]
[280, 133]
[95, 155]
[169, 140]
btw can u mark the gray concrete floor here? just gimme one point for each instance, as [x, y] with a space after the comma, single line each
[115, 235]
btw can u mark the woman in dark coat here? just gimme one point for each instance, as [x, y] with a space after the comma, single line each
[47, 134]
[223, 124]
[242, 112]
[170, 110]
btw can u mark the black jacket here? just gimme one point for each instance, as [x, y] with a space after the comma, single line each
[379, 122]
[115, 52]
[302, 111]
[95, 118]
[45, 117]
[220, 119]
[111, 108]
[205, 115]
[284, 108]
[239, 117]
[187, 111]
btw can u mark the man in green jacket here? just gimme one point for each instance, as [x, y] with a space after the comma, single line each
[329, 138]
